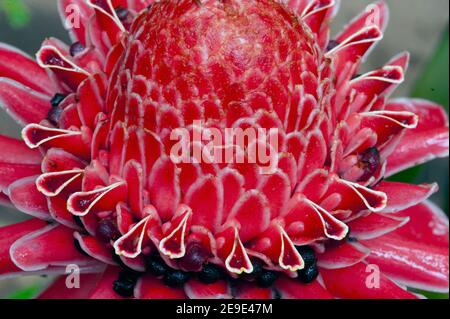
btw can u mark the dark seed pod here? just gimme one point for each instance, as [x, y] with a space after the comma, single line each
[308, 254]
[308, 274]
[124, 285]
[54, 114]
[122, 13]
[267, 278]
[176, 278]
[155, 265]
[210, 274]
[76, 48]
[57, 99]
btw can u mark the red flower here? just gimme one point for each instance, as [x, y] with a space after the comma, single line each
[97, 175]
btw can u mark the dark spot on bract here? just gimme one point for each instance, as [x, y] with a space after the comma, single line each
[194, 259]
[332, 44]
[107, 231]
[370, 161]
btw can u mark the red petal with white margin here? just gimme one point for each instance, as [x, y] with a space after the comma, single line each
[10, 173]
[50, 246]
[252, 212]
[104, 287]
[292, 289]
[94, 248]
[205, 198]
[376, 14]
[149, 287]
[418, 148]
[411, 263]
[342, 255]
[277, 189]
[401, 196]
[431, 115]
[58, 289]
[428, 225]
[197, 290]
[23, 104]
[314, 155]
[352, 283]
[9, 234]
[26, 198]
[16, 151]
[375, 225]
[17, 66]
[164, 188]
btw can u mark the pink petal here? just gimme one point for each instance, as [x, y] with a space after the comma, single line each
[23, 104]
[351, 283]
[49, 246]
[428, 225]
[26, 198]
[252, 213]
[342, 255]
[417, 148]
[10, 173]
[16, 151]
[17, 66]
[58, 289]
[205, 198]
[164, 188]
[412, 263]
[8, 235]
[375, 225]
[401, 196]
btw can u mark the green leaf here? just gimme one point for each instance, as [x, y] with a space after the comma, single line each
[434, 82]
[17, 13]
[27, 293]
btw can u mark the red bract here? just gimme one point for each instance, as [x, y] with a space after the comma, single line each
[96, 174]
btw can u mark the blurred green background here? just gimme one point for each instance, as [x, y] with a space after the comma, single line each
[420, 27]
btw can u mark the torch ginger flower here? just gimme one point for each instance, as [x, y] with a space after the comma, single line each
[94, 168]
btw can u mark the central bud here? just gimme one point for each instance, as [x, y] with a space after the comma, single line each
[223, 64]
[214, 61]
